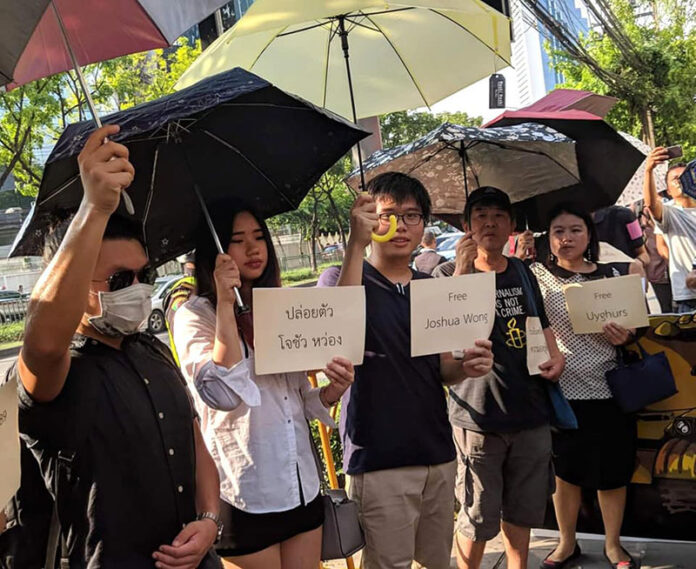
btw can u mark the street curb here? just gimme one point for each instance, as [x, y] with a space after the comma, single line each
[9, 352]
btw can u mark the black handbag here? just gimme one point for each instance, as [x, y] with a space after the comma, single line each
[342, 534]
[639, 383]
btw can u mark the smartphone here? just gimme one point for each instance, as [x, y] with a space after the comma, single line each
[674, 152]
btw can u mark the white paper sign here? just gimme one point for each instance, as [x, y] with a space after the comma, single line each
[593, 304]
[449, 314]
[9, 443]
[300, 329]
[537, 348]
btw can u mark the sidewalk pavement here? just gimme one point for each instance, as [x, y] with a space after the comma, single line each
[650, 554]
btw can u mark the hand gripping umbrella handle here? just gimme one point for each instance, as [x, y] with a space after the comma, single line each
[241, 307]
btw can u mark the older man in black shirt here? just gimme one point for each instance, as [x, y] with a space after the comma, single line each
[103, 408]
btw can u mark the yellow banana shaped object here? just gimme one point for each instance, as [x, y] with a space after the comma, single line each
[390, 232]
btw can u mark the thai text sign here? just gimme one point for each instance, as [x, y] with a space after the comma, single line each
[449, 314]
[9, 442]
[300, 329]
[593, 304]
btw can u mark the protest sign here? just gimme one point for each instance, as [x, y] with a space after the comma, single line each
[537, 348]
[450, 314]
[300, 329]
[593, 304]
[9, 442]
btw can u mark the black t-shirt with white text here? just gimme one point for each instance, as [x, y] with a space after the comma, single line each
[508, 399]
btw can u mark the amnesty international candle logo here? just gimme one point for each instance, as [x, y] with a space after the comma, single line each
[515, 335]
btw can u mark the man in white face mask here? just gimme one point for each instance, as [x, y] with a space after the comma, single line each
[103, 408]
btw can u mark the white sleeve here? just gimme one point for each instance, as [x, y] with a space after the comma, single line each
[668, 213]
[313, 407]
[219, 387]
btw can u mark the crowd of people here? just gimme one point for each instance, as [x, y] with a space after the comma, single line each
[198, 461]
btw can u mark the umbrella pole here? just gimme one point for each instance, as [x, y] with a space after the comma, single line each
[346, 55]
[88, 96]
[241, 307]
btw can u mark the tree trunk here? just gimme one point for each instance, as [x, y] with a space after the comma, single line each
[313, 237]
[648, 128]
[339, 221]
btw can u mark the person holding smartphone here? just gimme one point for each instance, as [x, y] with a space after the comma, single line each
[677, 222]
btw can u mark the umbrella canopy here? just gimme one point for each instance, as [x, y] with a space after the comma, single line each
[403, 55]
[232, 135]
[32, 44]
[633, 191]
[572, 99]
[606, 161]
[524, 161]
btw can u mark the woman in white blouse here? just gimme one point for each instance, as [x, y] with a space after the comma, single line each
[255, 426]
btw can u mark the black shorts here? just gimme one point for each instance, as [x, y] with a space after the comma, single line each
[601, 453]
[246, 533]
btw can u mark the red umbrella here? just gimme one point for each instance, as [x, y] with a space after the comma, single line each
[606, 161]
[44, 37]
[40, 38]
[572, 99]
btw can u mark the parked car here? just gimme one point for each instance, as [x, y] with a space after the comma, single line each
[156, 322]
[13, 306]
[446, 248]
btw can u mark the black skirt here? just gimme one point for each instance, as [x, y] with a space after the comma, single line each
[601, 453]
[246, 533]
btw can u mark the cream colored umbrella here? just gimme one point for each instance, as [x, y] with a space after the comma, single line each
[402, 55]
[361, 58]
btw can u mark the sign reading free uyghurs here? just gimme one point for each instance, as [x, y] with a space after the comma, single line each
[301, 329]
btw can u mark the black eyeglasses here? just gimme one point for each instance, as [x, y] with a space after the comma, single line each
[123, 279]
[407, 218]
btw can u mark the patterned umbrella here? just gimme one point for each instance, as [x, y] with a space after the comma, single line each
[633, 191]
[525, 161]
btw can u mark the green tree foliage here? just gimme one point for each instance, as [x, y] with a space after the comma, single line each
[654, 78]
[33, 116]
[326, 209]
[406, 126]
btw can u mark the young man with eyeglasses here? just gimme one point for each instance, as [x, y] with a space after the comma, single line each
[397, 440]
[103, 408]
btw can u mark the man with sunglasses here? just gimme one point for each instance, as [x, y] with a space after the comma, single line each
[103, 408]
[397, 440]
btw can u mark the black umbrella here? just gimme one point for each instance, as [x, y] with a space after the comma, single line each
[524, 161]
[233, 134]
[606, 160]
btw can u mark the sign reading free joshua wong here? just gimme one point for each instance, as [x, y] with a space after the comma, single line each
[301, 329]
[449, 314]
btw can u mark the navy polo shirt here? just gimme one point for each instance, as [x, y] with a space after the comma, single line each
[395, 413]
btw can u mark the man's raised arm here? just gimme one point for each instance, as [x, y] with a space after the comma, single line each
[59, 299]
[652, 200]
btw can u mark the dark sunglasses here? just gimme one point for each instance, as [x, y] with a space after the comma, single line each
[123, 279]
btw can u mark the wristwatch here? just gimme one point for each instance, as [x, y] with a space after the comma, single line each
[216, 519]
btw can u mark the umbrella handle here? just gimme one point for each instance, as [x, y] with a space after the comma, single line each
[393, 224]
[241, 307]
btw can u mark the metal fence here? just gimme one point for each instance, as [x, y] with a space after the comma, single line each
[13, 310]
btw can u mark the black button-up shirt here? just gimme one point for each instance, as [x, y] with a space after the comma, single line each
[122, 429]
